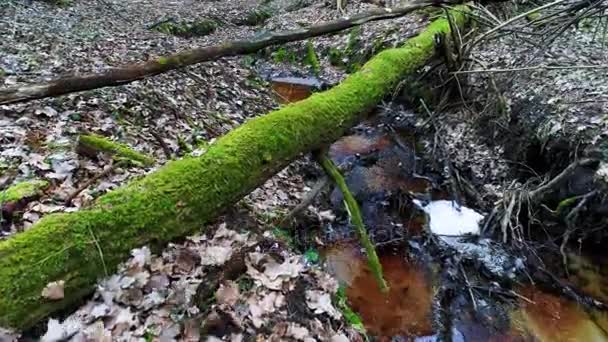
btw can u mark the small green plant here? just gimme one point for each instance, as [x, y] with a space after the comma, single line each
[255, 17]
[336, 57]
[245, 283]
[311, 58]
[312, 256]
[283, 235]
[197, 28]
[248, 60]
[282, 55]
[202, 27]
[354, 39]
[184, 147]
[148, 336]
[62, 3]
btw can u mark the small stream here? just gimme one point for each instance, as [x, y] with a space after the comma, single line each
[446, 281]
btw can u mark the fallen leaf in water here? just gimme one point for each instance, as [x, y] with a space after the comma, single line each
[122, 322]
[186, 260]
[54, 290]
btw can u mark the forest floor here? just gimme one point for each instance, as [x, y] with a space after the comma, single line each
[252, 277]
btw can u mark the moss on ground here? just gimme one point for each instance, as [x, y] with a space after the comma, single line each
[196, 28]
[23, 190]
[103, 144]
[255, 17]
[183, 195]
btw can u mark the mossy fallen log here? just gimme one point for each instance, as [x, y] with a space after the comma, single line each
[23, 190]
[16, 197]
[91, 144]
[183, 195]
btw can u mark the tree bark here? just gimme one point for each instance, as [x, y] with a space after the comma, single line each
[133, 72]
[180, 197]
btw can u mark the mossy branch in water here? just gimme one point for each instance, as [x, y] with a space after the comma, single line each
[351, 317]
[181, 196]
[23, 190]
[97, 143]
[356, 218]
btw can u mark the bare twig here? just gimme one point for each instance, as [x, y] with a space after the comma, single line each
[162, 143]
[310, 196]
[107, 170]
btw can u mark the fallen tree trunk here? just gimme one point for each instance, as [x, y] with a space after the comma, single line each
[133, 72]
[183, 195]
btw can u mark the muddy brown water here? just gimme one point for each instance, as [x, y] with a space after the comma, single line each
[381, 168]
[407, 310]
[293, 89]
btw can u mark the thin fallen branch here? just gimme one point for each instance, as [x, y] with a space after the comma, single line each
[133, 72]
[162, 143]
[355, 216]
[107, 170]
[310, 197]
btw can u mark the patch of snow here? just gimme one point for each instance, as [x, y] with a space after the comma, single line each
[447, 219]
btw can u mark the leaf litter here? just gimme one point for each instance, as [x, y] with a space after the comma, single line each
[154, 295]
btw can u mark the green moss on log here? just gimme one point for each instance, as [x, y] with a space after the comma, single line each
[183, 195]
[98, 143]
[22, 190]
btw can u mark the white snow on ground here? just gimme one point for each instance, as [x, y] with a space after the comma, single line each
[446, 218]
